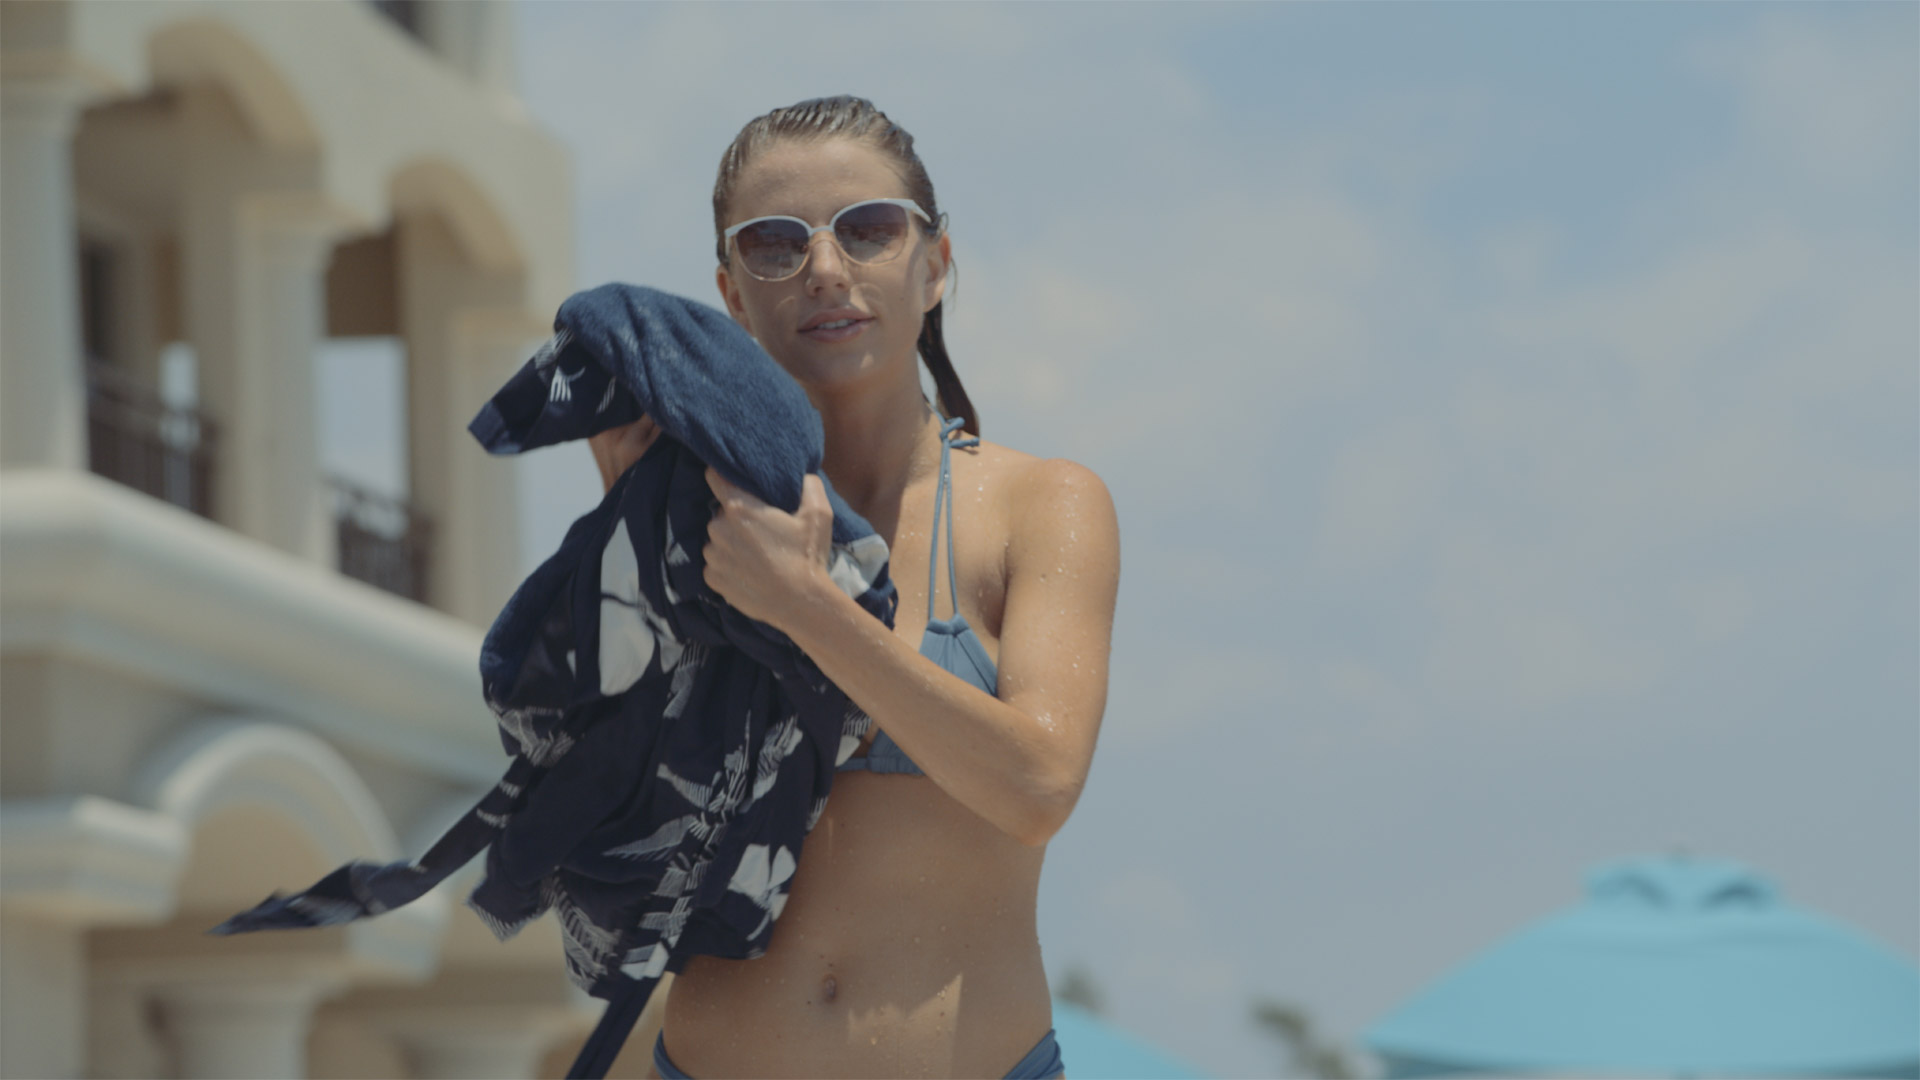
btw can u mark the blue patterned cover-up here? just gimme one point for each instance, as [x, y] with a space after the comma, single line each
[669, 755]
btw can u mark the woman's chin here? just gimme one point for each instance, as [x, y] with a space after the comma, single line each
[833, 369]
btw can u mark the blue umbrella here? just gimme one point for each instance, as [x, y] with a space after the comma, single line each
[1093, 1050]
[1672, 967]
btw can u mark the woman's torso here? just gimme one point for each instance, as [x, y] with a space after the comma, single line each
[907, 946]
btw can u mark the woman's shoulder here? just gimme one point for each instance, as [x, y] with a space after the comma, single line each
[1021, 477]
[1042, 495]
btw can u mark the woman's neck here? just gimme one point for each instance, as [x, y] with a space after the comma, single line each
[877, 444]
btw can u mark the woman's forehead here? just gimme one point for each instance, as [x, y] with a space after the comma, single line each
[813, 179]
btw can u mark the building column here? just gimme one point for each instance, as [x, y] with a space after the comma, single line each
[465, 334]
[485, 1022]
[255, 241]
[68, 864]
[479, 557]
[477, 1051]
[271, 453]
[43, 396]
[244, 1006]
[241, 1028]
[123, 1041]
[43, 997]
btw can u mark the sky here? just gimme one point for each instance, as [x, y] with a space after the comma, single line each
[1512, 411]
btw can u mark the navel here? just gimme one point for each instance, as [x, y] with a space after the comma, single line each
[829, 988]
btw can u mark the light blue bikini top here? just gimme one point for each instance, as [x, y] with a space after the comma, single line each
[948, 642]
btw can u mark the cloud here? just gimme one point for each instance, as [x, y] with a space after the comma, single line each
[1384, 498]
[1827, 99]
[1170, 961]
[1182, 695]
[1442, 497]
[1314, 393]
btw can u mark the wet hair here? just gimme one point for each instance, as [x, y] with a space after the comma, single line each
[850, 117]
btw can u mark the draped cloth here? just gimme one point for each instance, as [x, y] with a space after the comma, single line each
[668, 754]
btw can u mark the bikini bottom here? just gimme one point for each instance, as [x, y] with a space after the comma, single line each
[1041, 1063]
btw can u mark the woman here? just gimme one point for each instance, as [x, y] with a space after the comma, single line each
[907, 946]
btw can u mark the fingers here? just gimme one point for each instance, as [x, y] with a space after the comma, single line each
[639, 433]
[813, 493]
[730, 495]
[759, 558]
[617, 448]
[815, 508]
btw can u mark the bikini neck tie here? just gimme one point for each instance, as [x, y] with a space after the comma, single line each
[944, 493]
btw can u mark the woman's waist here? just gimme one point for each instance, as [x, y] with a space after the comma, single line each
[824, 1004]
[904, 910]
[867, 955]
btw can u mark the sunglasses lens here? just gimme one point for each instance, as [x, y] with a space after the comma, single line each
[868, 232]
[772, 249]
[873, 232]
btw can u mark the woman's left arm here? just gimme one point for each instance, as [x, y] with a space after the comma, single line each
[1018, 760]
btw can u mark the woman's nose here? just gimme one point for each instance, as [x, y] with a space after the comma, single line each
[826, 263]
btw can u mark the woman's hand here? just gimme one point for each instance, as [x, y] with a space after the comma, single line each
[616, 449]
[761, 559]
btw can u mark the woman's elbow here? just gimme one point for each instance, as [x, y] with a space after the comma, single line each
[1046, 815]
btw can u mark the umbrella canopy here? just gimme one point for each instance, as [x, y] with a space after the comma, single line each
[1092, 1048]
[1673, 966]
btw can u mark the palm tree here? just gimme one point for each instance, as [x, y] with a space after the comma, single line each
[1078, 988]
[1310, 1057]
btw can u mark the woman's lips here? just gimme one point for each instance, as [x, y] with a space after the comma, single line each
[837, 330]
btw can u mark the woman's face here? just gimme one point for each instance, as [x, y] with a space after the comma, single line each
[813, 180]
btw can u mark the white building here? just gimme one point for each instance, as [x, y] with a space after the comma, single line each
[197, 706]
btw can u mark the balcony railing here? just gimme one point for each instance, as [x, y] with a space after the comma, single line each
[137, 438]
[403, 13]
[383, 541]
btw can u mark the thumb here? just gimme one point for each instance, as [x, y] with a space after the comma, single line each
[817, 509]
[813, 494]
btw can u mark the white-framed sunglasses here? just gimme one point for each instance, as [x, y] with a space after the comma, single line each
[870, 232]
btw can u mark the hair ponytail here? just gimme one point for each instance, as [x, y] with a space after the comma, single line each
[953, 398]
[851, 118]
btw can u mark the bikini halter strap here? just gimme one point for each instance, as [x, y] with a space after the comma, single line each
[944, 493]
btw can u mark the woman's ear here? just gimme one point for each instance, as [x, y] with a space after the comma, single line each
[731, 297]
[939, 261]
